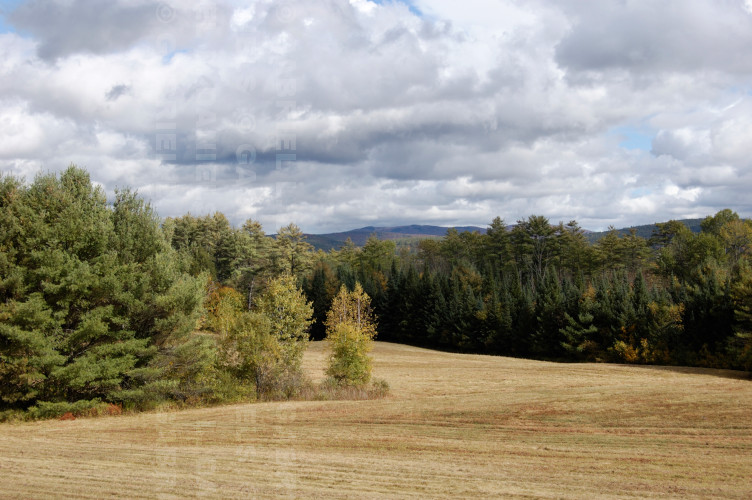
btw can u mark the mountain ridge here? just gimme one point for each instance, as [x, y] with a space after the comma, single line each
[359, 236]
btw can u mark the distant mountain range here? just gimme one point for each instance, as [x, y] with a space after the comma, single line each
[644, 231]
[359, 236]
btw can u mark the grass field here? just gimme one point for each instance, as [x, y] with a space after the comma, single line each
[453, 426]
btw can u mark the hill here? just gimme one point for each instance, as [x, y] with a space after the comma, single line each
[455, 425]
[644, 231]
[413, 233]
[359, 236]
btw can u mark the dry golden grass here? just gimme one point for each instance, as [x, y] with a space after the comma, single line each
[453, 426]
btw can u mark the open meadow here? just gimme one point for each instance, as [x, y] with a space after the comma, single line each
[453, 426]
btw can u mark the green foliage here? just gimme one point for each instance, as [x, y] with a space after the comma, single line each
[251, 352]
[535, 245]
[736, 237]
[320, 288]
[740, 345]
[550, 315]
[577, 256]
[48, 409]
[91, 295]
[292, 254]
[101, 305]
[28, 333]
[376, 255]
[349, 362]
[580, 330]
[241, 258]
[289, 314]
[264, 347]
[223, 305]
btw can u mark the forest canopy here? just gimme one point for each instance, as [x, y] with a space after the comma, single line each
[103, 303]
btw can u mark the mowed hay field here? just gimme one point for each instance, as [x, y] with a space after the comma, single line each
[453, 426]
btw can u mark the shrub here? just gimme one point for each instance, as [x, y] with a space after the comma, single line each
[332, 389]
[55, 410]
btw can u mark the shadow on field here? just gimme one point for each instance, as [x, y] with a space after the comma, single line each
[688, 370]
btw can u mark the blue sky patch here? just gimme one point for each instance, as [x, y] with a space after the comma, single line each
[415, 10]
[167, 58]
[7, 6]
[639, 192]
[634, 137]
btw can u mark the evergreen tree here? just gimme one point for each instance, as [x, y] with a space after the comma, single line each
[549, 313]
[577, 256]
[94, 297]
[498, 249]
[580, 329]
[534, 245]
[292, 253]
[320, 289]
[741, 344]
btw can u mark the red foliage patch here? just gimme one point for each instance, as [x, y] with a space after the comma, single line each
[113, 409]
[68, 416]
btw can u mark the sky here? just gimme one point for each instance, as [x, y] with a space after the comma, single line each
[338, 114]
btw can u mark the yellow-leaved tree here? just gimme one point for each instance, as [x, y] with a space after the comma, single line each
[265, 346]
[350, 330]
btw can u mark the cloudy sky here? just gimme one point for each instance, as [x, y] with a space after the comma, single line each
[337, 114]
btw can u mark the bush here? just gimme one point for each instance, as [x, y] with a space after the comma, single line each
[77, 409]
[332, 389]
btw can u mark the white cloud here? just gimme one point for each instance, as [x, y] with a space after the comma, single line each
[242, 16]
[690, 194]
[472, 110]
[364, 6]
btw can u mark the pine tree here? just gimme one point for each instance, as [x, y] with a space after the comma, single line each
[320, 290]
[498, 248]
[741, 344]
[93, 297]
[292, 253]
[549, 313]
[580, 329]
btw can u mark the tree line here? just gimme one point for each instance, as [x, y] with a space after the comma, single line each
[103, 303]
[541, 290]
[538, 290]
[105, 308]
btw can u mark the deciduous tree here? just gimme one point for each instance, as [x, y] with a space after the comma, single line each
[351, 329]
